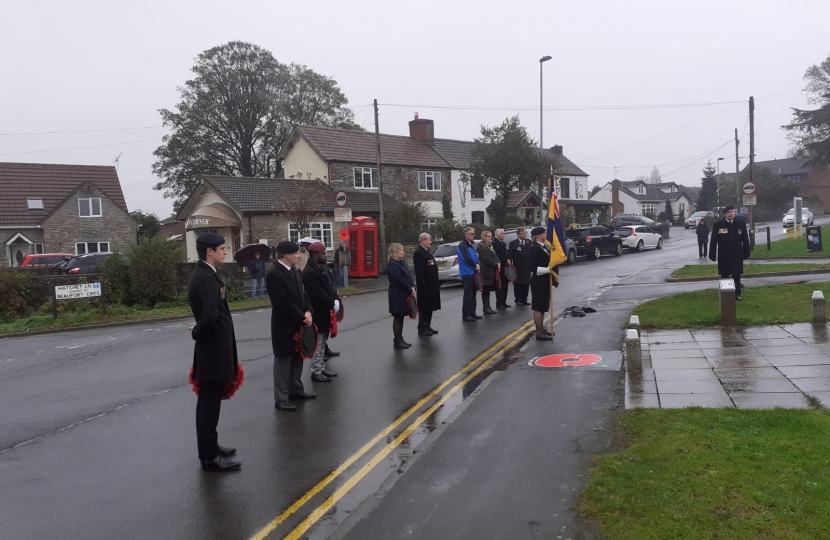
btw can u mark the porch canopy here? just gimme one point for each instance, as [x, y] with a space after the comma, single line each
[212, 216]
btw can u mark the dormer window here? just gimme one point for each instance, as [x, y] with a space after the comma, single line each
[642, 189]
[34, 204]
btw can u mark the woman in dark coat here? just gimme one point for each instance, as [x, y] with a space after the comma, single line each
[400, 287]
[489, 262]
[540, 284]
[702, 238]
[427, 284]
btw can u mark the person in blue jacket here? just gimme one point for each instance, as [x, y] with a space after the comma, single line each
[256, 267]
[467, 268]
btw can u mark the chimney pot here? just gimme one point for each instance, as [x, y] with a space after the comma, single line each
[556, 149]
[422, 129]
[416, 116]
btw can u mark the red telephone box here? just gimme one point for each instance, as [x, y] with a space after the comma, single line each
[363, 243]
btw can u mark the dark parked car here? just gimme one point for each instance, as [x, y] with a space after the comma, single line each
[42, 260]
[623, 220]
[594, 241]
[86, 264]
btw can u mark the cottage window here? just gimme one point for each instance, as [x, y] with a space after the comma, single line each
[34, 204]
[429, 224]
[478, 217]
[477, 187]
[641, 189]
[318, 231]
[682, 208]
[82, 248]
[365, 178]
[90, 207]
[648, 209]
[39, 248]
[429, 181]
[565, 188]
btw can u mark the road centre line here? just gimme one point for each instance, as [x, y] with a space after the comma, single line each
[341, 492]
[299, 503]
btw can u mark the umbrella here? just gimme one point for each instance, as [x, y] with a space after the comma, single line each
[247, 253]
[308, 240]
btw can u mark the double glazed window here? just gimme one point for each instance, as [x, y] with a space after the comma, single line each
[365, 178]
[477, 187]
[90, 207]
[81, 248]
[429, 181]
[318, 231]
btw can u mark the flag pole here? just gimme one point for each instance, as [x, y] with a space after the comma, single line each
[551, 304]
[553, 231]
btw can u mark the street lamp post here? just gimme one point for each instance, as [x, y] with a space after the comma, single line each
[542, 129]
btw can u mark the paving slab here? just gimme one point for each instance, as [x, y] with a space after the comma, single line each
[703, 374]
[749, 373]
[680, 363]
[824, 397]
[785, 351]
[783, 342]
[640, 387]
[799, 372]
[730, 352]
[759, 385]
[689, 387]
[740, 362]
[677, 353]
[769, 400]
[646, 401]
[722, 343]
[815, 384]
[799, 360]
[679, 401]
[674, 345]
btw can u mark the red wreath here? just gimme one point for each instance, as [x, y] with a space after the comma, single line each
[230, 387]
[299, 348]
[333, 323]
[414, 315]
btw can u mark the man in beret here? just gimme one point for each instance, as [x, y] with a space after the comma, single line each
[321, 290]
[215, 359]
[538, 260]
[730, 246]
[517, 254]
[290, 311]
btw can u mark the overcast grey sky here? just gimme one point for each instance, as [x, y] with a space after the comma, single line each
[86, 65]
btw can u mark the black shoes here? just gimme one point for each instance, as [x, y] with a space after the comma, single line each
[477, 316]
[504, 306]
[330, 353]
[399, 344]
[329, 374]
[304, 395]
[544, 337]
[227, 451]
[469, 318]
[489, 312]
[319, 377]
[424, 332]
[285, 406]
[738, 298]
[220, 464]
[431, 329]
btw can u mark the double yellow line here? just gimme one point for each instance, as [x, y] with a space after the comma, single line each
[507, 341]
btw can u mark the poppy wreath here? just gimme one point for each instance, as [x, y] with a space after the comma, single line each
[230, 387]
[298, 340]
[413, 313]
[333, 323]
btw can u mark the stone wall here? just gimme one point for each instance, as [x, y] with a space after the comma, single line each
[231, 274]
[64, 228]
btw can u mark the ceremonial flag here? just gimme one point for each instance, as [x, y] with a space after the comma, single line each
[555, 236]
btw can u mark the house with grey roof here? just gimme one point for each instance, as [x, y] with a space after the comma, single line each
[810, 180]
[70, 209]
[646, 199]
[253, 210]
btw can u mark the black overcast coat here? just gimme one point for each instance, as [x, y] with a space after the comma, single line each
[289, 302]
[518, 252]
[730, 246]
[319, 286]
[400, 285]
[214, 356]
[426, 280]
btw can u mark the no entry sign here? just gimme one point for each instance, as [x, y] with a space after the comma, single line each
[566, 360]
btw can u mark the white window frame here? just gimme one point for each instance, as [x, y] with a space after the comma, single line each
[38, 249]
[98, 246]
[373, 181]
[682, 208]
[89, 202]
[429, 180]
[430, 223]
[320, 230]
[34, 203]
[649, 208]
[483, 189]
[641, 189]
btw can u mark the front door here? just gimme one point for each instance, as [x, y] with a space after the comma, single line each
[18, 252]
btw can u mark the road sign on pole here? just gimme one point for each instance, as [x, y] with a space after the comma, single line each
[342, 214]
[81, 290]
[749, 188]
[750, 200]
[340, 199]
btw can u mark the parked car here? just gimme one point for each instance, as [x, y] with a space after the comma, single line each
[42, 260]
[89, 263]
[693, 220]
[806, 217]
[622, 220]
[639, 237]
[594, 241]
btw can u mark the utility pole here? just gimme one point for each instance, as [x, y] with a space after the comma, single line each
[382, 246]
[737, 171]
[752, 163]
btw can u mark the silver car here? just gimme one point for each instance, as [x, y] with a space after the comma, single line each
[446, 257]
[806, 217]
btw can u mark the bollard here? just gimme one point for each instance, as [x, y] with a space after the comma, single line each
[728, 316]
[819, 315]
[634, 322]
[633, 352]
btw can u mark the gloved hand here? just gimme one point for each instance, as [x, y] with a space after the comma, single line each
[542, 271]
[336, 306]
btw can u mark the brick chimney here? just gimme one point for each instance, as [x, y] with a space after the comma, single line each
[616, 205]
[422, 129]
[556, 149]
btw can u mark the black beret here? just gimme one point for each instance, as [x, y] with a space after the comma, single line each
[537, 231]
[211, 240]
[728, 208]
[287, 247]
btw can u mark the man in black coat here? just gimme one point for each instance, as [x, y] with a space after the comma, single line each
[322, 292]
[730, 246]
[501, 253]
[426, 283]
[215, 361]
[290, 311]
[517, 255]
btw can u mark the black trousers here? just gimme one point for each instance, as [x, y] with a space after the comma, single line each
[702, 247]
[737, 279]
[287, 373]
[520, 292]
[501, 294]
[208, 406]
[424, 319]
[468, 303]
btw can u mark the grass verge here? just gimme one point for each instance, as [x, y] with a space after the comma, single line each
[115, 313]
[711, 270]
[788, 247]
[769, 304]
[714, 473]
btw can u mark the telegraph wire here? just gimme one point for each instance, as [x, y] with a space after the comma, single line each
[78, 131]
[80, 147]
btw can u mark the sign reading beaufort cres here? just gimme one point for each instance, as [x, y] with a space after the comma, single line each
[82, 290]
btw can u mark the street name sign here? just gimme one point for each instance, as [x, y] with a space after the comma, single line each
[749, 188]
[81, 290]
[342, 214]
[750, 200]
[340, 199]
